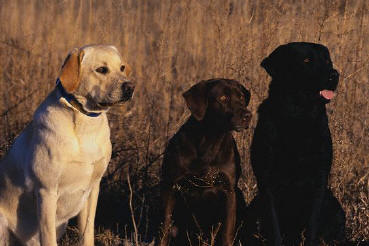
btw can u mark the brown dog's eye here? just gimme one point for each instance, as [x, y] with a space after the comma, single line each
[122, 68]
[223, 98]
[306, 60]
[102, 70]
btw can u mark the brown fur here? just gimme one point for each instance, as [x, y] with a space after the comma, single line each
[69, 74]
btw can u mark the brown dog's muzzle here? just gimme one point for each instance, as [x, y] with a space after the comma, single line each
[247, 118]
[243, 121]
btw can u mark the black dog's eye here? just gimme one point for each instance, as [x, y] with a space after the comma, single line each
[122, 68]
[306, 60]
[223, 98]
[103, 70]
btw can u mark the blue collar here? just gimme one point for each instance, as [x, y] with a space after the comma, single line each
[73, 101]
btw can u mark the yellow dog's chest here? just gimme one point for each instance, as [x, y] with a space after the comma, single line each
[87, 165]
[77, 182]
[75, 188]
[88, 161]
[91, 148]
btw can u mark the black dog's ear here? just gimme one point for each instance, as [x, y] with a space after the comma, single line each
[268, 65]
[247, 95]
[197, 99]
[275, 63]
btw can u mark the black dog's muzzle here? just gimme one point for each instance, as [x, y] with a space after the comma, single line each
[327, 92]
[333, 79]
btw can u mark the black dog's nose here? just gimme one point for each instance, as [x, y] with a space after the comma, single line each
[333, 75]
[127, 89]
[333, 78]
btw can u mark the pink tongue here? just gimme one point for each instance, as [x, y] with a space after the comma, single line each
[327, 94]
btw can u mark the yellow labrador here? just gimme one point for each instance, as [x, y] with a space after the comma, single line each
[53, 171]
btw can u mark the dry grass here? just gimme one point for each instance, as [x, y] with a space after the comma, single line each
[171, 45]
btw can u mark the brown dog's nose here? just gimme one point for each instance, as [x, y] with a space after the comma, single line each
[127, 89]
[247, 116]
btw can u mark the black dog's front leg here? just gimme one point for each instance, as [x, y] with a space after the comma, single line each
[271, 220]
[324, 166]
[312, 229]
[273, 214]
[319, 193]
[263, 152]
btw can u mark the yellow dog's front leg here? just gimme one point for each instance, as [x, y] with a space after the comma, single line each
[86, 217]
[47, 199]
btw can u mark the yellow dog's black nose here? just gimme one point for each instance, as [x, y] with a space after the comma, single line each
[127, 89]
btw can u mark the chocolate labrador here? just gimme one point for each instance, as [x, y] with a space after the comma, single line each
[201, 167]
[291, 151]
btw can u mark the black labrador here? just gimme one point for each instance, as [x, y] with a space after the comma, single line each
[201, 167]
[291, 152]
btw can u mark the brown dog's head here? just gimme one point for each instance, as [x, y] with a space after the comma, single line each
[221, 102]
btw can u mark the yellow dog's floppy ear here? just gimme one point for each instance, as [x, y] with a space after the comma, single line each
[69, 74]
[127, 70]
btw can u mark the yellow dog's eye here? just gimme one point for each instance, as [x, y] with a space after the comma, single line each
[223, 98]
[103, 70]
[122, 68]
[306, 60]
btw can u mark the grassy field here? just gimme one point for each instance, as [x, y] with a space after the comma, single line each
[170, 46]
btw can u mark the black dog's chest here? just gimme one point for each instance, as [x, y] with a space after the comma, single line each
[299, 143]
[302, 136]
[299, 152]
[302, 148]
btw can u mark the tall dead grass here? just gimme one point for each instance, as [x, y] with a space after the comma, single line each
[171, 45]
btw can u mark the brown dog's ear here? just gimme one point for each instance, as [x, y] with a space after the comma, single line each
[197, 99]
[69, 74]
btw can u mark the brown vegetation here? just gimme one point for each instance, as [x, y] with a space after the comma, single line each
[170, 46]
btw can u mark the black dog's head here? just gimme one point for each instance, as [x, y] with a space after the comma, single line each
[303, 67]
[223, 102]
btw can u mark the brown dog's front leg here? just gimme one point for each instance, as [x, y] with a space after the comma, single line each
[168, 199]
[228, 230]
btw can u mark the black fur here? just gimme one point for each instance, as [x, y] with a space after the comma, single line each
[291, 152]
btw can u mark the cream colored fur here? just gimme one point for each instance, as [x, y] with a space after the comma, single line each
[53, 170]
